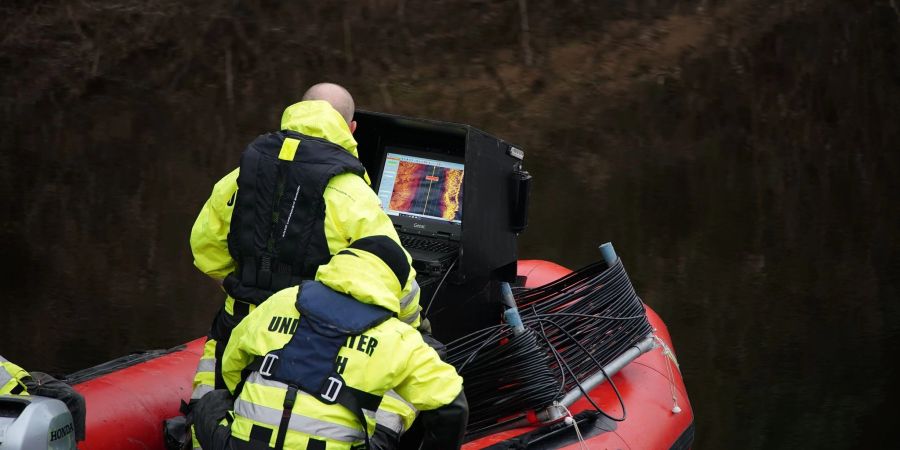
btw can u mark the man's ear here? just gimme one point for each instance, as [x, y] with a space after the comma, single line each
[352, 126]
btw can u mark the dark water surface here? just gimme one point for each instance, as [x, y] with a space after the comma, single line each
[742, 157]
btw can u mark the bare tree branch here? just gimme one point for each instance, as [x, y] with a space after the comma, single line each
[526, 31]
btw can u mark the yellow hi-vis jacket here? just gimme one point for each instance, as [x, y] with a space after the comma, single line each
[352, 209]
[11, 377]
[390, 356]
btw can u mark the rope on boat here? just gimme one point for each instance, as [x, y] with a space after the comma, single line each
[670, 359]
[570, 420]
[573, 328]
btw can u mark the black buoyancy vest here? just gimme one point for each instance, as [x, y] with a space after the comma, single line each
[277, 234]
[308, 361]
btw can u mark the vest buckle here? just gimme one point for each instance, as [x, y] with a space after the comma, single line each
[333, 390]
[265, 369]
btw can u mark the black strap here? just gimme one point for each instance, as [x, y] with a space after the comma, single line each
[259, 439]
[260, 434]
[348, 400]
[290, 397]
[17, 389]
[264, 274]
[241, 309]
[353, 399]
[219, 382]
[365, 400]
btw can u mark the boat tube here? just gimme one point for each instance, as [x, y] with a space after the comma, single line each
[128, 398]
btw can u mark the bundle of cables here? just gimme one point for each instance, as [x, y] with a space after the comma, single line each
[573, 327]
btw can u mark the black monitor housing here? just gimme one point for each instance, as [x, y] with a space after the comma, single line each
[488, 251]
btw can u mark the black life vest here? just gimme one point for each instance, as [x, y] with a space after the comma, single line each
[277, 234]
[308, 361]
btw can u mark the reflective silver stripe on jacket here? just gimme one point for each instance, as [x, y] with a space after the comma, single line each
[206, 365]
[397, 396]
[406, 300]
[393, 420]
[2, 359]
[409, 320]
[390, 420]
[5, 376]
[200, 391]
[303, 424]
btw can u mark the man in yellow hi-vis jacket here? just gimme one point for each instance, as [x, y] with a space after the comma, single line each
[309, 367]
[310, 221]
[11, 378]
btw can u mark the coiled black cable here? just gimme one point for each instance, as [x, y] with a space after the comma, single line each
[573, 328]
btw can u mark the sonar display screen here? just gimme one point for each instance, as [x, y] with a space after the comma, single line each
[421, 187]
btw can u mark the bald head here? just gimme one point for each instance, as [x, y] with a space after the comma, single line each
[335, 95]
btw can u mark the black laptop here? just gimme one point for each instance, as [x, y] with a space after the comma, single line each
[421, 192]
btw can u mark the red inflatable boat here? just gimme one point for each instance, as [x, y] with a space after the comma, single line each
[128, 399]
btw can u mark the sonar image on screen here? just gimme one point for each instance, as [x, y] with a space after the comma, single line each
[427, 190]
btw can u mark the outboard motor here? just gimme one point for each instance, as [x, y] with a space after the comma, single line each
[30, 422]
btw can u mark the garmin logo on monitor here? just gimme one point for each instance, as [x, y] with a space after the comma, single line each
[419, 225]
[62, 432]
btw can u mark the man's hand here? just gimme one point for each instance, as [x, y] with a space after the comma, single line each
[425, 326]
[437, 345]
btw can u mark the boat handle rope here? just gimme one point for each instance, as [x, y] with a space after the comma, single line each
[670, 359]
[570, 420]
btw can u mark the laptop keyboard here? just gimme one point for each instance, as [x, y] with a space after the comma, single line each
[418, 243]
